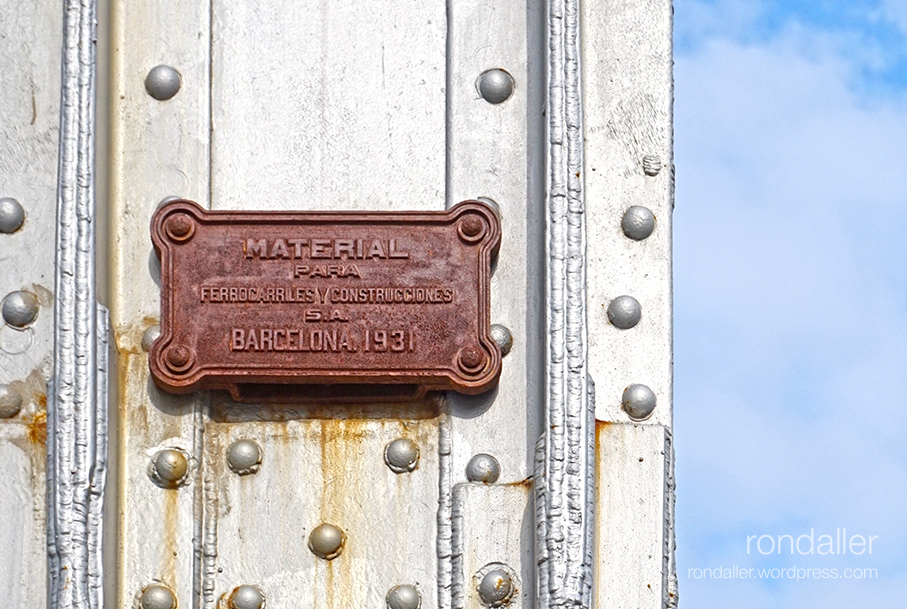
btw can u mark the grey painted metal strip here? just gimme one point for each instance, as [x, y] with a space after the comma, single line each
[566, 474]
[77, 415]
[670, 594]
[445, 515]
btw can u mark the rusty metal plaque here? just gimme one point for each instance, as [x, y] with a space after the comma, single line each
[276, 306]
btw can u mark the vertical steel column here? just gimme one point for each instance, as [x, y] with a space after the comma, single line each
[77, 408]
[565, 475]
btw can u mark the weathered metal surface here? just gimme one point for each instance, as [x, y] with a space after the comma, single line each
[30, 106]
[317, 471]
[77, 402]
[634, 516]
[23, 566]
[252, 298]
[327, 98]
[156, 149]
[627, 102]
[497, 151]
[628, 96]
[491, 523]
[341, 102]
[29, 134]
[565, 469]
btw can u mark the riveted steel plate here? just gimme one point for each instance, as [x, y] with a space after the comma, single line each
[350, 305]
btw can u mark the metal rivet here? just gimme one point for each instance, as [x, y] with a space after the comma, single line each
[179, 358]
[150, 335]
[326, 541]
[492, 204]
[651, 164]
[624, 312]
[496, 588]
[20, 309]
[158, 597]
[471, 228]
[247, 597]
[638, 402]
[244, 457]
[471, 359]
[502, 336]
[638, 222]
[471, 225]
[401, 455]
[163, 82]
[11, 215]
[179, 355]
[179, 227]
[403, 597]
[483, 468]
[169, 468]
[495, 86]
[10, 402]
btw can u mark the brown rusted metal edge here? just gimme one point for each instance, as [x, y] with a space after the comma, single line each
[325, 306]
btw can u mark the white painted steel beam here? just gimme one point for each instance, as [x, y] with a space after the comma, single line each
[30, 84]
[559, 114]
[628, 106]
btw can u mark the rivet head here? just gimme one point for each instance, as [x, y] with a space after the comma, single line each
[492, 204]
[471, 359]
[178, 358]
[20, 309]
[401, 455]
[638, 222]
[495, 86]
[150, 335]
[169, 468]
[496, 588]
[163, 82]
[244, 457]
[403, 597]
[10, 402]
[502, 337]
[624, 312]
[326, 541]
[247, 597]
[158, 597]
[651, 164]
[472, 225]
[638, 402]
[471, 228]
[483, 468]
[179, 227]
[12, 215]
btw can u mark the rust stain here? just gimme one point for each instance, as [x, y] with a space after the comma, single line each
[36, 423]
[525, 483]
[342, 450]
[600, 427]
[37, 426]
[128, 337]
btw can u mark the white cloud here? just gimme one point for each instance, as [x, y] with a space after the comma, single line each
[791, 305]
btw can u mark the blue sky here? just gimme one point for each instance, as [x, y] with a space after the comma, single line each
[791, 294]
